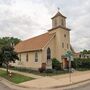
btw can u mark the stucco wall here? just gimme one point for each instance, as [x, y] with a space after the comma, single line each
[31, 60]
[52, 47]
[59, 40]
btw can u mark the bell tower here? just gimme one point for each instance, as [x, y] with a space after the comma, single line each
[58, 20]
[62, 35]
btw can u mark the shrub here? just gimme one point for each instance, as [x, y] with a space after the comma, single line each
[41, 70]
[73, 64]
[56, 64]
[49, 71]
[82, 63]
[0, 64]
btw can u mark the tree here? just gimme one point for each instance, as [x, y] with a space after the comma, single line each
[85, 52]
[8, 41]
[88, 51]
[7, 55]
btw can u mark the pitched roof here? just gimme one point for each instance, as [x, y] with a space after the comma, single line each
[58, 14]
[36, 43]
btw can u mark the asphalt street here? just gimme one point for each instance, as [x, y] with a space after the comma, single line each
[4, 87]
[82, 87]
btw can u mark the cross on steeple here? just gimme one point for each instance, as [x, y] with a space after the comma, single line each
[58, 9]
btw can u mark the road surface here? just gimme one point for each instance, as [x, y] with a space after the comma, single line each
[4, 87]
[82, 87]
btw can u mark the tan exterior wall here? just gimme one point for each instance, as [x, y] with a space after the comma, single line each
[31, 60]
[52, 47]
[59, 40]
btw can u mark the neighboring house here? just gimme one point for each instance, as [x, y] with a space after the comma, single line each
[39, 51]
[81, 55]
[84, 55]
[77, 55]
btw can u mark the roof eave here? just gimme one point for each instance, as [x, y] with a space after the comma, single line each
[60, 27]
[29, 51]
[58, 15]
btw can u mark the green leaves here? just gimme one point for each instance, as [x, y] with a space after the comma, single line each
[7, 41]
[82, 63]
[8, 54]
[85, 52]
[56, 64]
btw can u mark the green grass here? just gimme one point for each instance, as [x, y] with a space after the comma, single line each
[15, 78]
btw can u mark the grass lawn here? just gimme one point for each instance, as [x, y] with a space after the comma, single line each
[15, 78]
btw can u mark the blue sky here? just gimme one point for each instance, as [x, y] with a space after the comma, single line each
[28, 18]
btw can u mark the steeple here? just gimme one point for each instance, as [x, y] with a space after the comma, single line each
[58, 20]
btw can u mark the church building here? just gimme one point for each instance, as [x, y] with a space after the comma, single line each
[40, 50]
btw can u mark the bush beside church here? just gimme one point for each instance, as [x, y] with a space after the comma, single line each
[82, 63]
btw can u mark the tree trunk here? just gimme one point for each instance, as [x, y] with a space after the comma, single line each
[7, 68]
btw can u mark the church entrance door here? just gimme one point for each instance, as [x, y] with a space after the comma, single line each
[66, 63]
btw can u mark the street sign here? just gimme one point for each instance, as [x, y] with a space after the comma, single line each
[68, 54]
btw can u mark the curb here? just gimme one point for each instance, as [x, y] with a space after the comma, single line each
[10, 84]
[71, 84]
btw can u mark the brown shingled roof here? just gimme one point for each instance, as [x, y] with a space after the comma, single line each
[36, 43]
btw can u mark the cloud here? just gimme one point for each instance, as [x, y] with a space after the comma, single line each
[28, 18]
[80, 34]
[17, 21]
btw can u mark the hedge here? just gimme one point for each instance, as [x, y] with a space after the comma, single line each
[82, 63]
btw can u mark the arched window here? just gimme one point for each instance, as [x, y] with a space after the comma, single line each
[67, 46]
[27, 57]
[19, 55]
[62, 45]
[48, 53]
[36, 57]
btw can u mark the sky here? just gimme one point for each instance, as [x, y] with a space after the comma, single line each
[28, 18]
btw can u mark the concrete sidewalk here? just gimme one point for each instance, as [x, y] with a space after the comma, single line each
[54, 81]
[57, 81]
